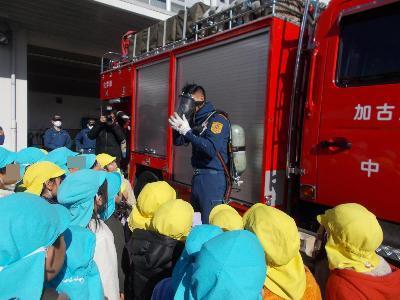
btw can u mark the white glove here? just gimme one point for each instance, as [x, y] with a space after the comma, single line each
[179, 124]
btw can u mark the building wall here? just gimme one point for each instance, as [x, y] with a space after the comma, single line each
[21, 90]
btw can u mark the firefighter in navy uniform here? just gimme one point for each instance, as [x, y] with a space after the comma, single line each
[197, 122]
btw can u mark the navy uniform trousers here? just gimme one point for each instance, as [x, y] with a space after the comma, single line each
[208, 190]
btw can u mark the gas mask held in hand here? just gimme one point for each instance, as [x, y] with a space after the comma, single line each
[187, 106]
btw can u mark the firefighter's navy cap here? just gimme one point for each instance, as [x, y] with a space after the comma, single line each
[57, 118]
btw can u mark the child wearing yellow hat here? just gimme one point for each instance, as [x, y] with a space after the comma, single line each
[357, 272]
[152, 196]
[153, 253]
[43, 179]
[109, 163]
[226, 217]
[287, 277]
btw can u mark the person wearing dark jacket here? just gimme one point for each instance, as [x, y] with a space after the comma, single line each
[108, 135]
[84, 144]
[2, 137]
[56, 137]
[153, 253]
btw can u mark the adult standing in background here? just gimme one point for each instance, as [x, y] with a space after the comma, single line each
[2, 137]
[56, 137]
[83, 143]
[108, 135]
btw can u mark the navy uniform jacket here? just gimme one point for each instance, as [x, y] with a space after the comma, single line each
[82, 140]
[54, 139]
[205, 146]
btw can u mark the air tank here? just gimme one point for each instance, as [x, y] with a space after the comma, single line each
[239, 148]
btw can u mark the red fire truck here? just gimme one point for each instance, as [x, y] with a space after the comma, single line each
[315, 89]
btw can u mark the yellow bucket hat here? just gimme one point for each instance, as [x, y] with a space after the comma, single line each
[104, 159]
[353, 236]
[280, 239]
[174, 219]
[226, 217]
[152, 196]
[38, 173]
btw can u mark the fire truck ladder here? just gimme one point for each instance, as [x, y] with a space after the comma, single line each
[213, 21]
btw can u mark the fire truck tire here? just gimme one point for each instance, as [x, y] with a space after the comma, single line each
[143, 179]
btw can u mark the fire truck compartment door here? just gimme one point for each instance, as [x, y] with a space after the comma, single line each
[152, 108]
[234, 77]
[358, 150]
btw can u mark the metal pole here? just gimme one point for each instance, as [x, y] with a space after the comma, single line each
[164, 33]
[273, 8]
[168, 5]
[184, 24]
[134, 46]
[294, 97]
[148, 39]
[230, 18]
[13, 93]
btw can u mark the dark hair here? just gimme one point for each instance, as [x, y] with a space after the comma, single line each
[3, 170]
[95, 163]
[57, 117]
[51, 201]
[103, 192]
[193, 88]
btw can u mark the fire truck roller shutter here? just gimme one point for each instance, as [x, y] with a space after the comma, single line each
[234, 77]
[152, 108]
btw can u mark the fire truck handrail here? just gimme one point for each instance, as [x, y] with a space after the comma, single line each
[109, 55]
[289, 10]
[296, 101]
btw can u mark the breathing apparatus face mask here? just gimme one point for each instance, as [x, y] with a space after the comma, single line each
[187, 106]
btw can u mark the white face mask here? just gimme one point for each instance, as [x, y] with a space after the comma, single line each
[10, 187]
[57, 123]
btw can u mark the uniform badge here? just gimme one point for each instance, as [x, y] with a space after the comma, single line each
[216, 127]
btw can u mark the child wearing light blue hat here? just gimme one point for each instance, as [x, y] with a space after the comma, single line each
[79, 278]
[90, 195]
[32, 245]
[175, 287]
[26, 157]
[221, 269]
[29, 155]
[60, 157]
[6, 158]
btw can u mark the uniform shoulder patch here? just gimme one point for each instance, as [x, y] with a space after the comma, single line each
[216, 127]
